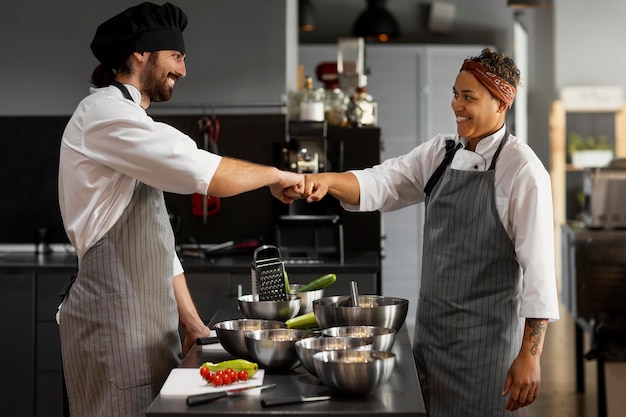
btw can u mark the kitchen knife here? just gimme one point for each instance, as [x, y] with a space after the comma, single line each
[270, 402]
[210, 396]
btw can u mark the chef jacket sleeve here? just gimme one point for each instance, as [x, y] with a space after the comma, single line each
[124, 138]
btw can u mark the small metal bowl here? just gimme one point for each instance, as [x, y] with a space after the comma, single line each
[381, 337]
[306, 297]
[231, 333]
[275, 348]
[354, 372]
[306, 348]
[268, 310]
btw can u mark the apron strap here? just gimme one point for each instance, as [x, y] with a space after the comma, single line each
[495, 156]
[123, 89]
[447, 159]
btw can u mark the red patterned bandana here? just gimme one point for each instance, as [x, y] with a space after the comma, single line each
[497, 86]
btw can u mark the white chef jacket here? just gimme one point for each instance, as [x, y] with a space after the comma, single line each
[109, 145]
[523, 200]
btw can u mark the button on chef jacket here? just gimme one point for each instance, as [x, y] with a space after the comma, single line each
[109, 145]
[523, 200]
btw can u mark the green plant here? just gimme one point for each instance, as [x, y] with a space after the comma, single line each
[576, 142]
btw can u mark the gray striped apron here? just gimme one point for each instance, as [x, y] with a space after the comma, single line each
[468, 330]
[119, 322]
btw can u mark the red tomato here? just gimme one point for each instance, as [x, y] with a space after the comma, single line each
[242, 375]
[205, 373]
[226, 379]
[217, 380]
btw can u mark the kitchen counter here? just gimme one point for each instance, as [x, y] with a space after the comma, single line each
[399, 396]
[25, 260]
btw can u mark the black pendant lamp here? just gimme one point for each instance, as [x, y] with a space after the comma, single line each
[306, 16]
[376, 23]
[529, 3]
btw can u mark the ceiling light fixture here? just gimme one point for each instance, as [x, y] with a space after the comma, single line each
[529, 3]
[376, 23]
[306, 16]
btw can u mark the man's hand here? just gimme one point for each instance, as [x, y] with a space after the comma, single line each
[289, 187]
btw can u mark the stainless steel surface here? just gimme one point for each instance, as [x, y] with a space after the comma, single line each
[275, 348]
[268, 310]
[306, 297]
[373, 310]
[382, 337]
[231, 333]
[354, 372]
[354, 293]
[306, 348]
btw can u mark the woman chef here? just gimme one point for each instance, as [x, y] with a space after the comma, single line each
[119, 321]
[488, 279]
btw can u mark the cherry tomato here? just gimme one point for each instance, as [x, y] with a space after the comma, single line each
[220, 372]
[242, 375]
[226, 379]
[217, 380]
[205, 372]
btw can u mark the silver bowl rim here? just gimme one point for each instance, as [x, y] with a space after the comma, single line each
[386, 331]
[221, 325]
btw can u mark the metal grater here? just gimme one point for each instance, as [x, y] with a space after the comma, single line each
[268, 275]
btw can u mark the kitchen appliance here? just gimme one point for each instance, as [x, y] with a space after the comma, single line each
[310, 230]
[604, 191]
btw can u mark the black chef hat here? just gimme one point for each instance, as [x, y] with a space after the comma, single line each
[146, 27]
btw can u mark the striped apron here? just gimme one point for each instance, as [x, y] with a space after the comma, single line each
[468, 330]
[119, 322]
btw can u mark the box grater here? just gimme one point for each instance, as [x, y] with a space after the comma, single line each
[268, 275]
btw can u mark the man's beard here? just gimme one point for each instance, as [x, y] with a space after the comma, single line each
[155, 87]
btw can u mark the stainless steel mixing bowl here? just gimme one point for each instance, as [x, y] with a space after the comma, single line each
[306, 348]
[268, 310]
[382, 337]
[275, 348]
[306, 297]
[354, 372]
[231, 333]
[373, 310]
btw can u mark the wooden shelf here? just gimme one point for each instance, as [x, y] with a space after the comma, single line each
[558, 160]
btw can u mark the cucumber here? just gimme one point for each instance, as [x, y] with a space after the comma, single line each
[319, 283]
[305, 321]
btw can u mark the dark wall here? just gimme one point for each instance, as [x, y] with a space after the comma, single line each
[29, 168]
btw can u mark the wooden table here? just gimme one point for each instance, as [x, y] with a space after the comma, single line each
[399, 396]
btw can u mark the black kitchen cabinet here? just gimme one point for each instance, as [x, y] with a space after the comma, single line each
[17, 322]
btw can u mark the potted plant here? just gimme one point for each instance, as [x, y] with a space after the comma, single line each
[589, 151]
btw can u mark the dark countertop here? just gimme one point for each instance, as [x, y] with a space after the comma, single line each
[399, 396]
[60, 261]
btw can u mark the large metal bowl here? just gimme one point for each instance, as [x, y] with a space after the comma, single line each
[231, 333]
[382, 337]
[275, 348]
[268, 310]
[306, 297]
[373, 310]
[353, 372]
[306, 348]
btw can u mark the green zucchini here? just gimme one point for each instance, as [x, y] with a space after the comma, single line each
[305, 321]
[319, 283]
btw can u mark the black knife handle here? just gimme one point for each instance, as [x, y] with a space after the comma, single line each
[270, 402]
[205, 398]
[207, 340]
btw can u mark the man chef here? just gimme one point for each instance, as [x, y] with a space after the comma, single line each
[119, 321]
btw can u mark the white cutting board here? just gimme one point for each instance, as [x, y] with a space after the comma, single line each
[182, 382]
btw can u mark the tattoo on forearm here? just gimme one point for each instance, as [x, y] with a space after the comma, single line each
[537, 330]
